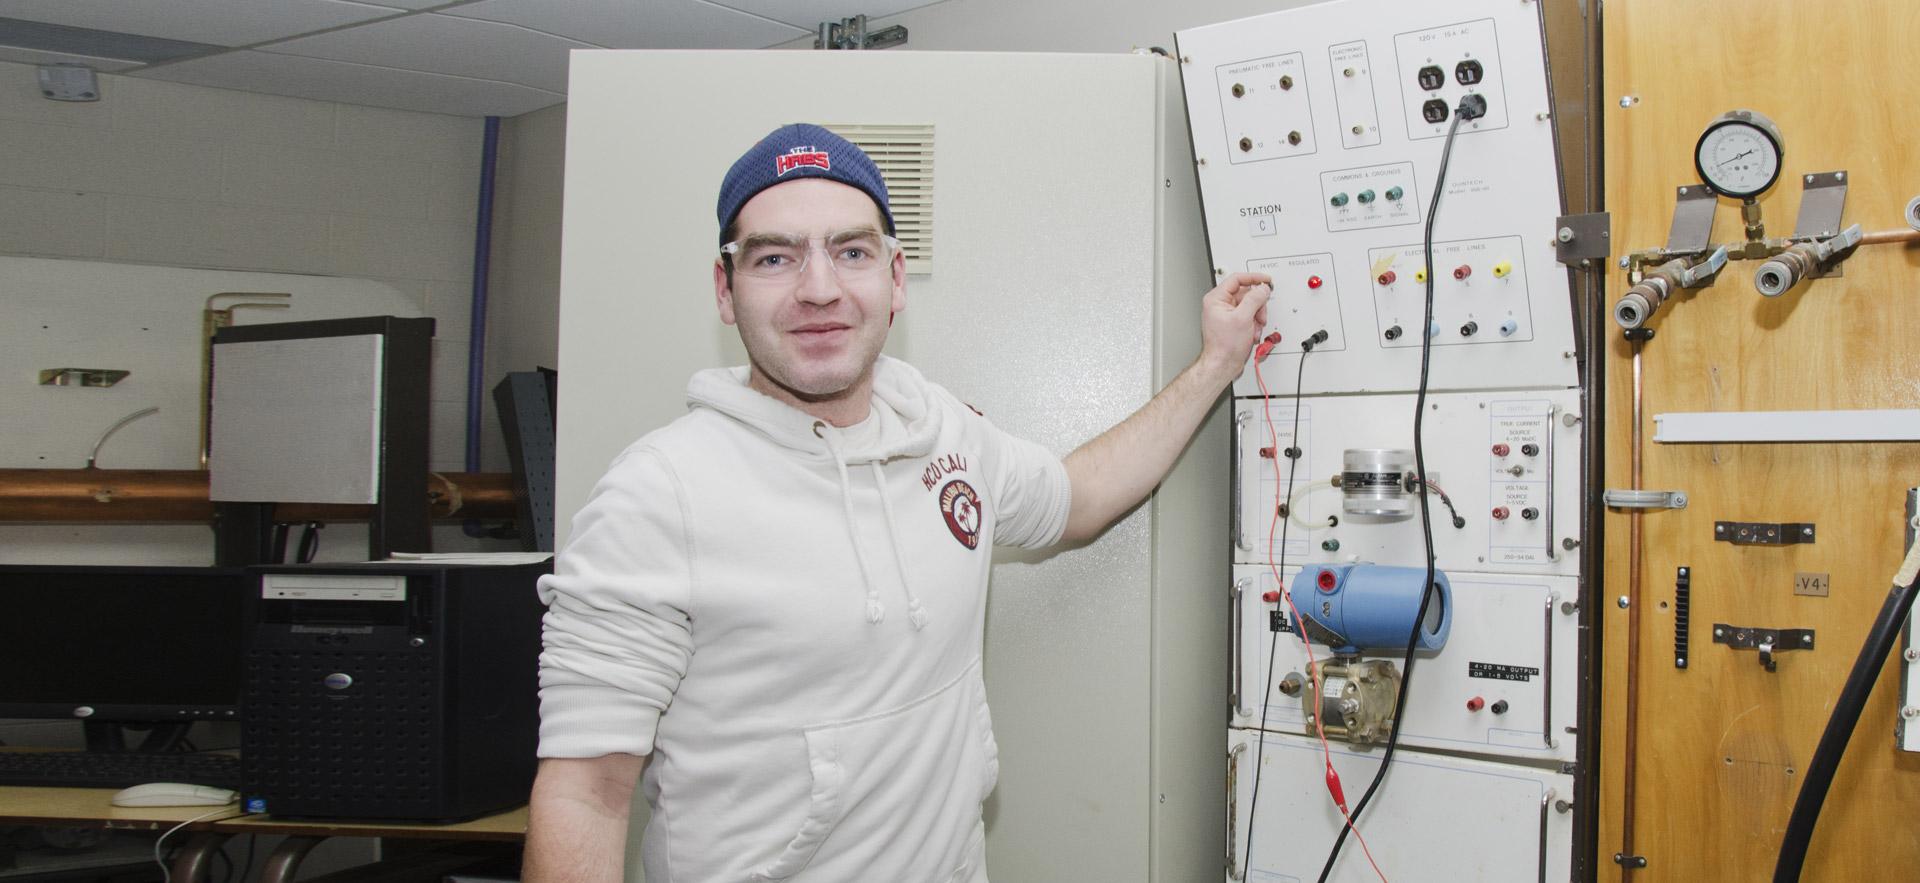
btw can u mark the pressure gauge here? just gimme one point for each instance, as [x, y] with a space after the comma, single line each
[1739, 154]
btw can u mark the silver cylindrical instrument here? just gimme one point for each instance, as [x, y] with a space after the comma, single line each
[1373, 482]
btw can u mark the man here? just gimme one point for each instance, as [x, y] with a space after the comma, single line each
[771, 610]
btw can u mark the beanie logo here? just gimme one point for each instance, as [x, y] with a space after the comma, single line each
[800, 157]
[963, 512]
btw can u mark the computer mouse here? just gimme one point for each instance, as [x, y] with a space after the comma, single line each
[174, 794]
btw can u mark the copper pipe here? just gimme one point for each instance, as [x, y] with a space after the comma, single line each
[1628, 767]
[1888, 237]
[180, 496]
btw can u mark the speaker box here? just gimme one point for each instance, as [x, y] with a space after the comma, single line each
[391, 691]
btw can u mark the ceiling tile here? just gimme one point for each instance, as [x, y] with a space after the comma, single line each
[808, 14]
[439, 44]
[223, 22]
[625, 24]
[35, 56]
[356, 84]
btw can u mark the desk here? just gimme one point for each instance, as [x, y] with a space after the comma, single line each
[87, 807]
[93, 807]
[303, 836]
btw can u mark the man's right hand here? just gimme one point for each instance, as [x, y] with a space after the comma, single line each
[577, 819]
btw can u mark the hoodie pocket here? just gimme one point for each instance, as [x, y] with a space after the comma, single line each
[990, 750]
[898, 792]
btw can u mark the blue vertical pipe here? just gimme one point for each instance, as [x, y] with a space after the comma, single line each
[477, 330]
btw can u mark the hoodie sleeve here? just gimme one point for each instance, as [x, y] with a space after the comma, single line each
[616, 632]
[1029, 486]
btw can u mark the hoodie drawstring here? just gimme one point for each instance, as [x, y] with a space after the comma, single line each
[916, 614]
[876, 611]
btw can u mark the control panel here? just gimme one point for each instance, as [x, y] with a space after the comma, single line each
[1505, 684]
[1373, 157]
[1321, 134]
[1503, 473]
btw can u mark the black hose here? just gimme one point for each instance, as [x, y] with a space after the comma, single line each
[1833, 742]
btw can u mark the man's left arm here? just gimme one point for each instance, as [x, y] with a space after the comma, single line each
[1114, 472]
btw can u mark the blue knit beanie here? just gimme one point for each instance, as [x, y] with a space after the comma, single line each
[799, 150]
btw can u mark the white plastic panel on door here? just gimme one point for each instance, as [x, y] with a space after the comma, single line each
[1508, 462]
[1505, 685]
[1435, 818]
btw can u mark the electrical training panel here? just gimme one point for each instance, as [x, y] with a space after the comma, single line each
[1316, 167]
[1502, 459]
[1506, 683]
[1455, 818]
[1318, 134]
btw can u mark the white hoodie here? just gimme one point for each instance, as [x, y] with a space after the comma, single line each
[788, 616]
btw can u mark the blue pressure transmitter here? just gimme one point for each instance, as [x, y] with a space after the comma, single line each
[1357, 607]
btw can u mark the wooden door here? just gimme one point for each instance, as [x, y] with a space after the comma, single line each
[1721, 746]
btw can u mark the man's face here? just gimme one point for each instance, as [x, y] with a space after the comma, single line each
[812, 339]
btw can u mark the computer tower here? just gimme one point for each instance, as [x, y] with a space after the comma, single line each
[391, 691]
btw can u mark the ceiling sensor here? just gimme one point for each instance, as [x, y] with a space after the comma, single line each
[69, 82]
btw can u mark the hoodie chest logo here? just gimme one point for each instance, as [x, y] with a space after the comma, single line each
[963, 511]
[940, 467]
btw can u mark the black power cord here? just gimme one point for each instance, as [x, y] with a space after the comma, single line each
[1266, 686]
[1468, 109]
[1839, 731]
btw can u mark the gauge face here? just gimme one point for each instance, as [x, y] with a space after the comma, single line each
[1737, 158]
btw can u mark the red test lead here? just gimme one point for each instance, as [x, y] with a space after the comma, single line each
[1266, 346]
[1334, 789]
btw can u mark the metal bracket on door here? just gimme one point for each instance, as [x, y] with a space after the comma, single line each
[1767, 641]
[1620, 498]
[1582, 238]
[1823, 202]
[1761, 533]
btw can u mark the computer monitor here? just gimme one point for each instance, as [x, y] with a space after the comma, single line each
[121, 644]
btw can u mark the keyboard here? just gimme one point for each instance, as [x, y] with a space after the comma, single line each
[96, 769]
